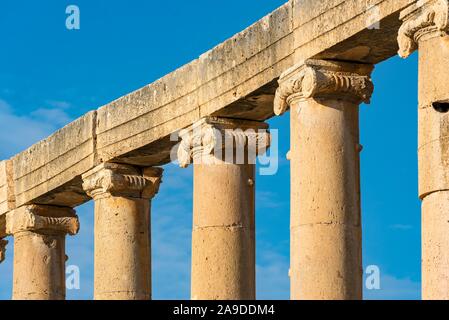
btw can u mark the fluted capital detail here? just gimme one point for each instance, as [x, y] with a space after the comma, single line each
[42, 218]
[216, 136]
[3, 244]
[111, 179]
[323, 79]
[423, 20]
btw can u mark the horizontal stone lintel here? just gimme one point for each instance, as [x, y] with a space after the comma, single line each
[236, 79]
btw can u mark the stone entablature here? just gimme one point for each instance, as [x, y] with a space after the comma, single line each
[7, 195]
[236, 79]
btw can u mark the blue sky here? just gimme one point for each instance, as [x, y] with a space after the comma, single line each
[50, 76]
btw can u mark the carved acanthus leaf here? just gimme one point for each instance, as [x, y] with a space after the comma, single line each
[122, 180]
[27, 218]
[153, 176]
[423, 20]
[315, 79]
[215, 136]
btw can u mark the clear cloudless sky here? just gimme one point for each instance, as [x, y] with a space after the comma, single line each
[49, 76]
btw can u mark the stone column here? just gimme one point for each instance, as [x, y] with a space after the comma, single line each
[223, 240]
[426, 26]
[326, 245]
[39, 250]
[122, 196]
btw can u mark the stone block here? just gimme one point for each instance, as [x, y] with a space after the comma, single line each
[50, 165]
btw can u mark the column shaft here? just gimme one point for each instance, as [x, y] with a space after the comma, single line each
[122, 229]
[434, 165]
[326, 252]
[426, 26]
[326, 244]
[39, 250]
[122, 249]
[223, 241]
[39, 266]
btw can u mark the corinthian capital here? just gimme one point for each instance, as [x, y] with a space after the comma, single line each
[41, 218]
[423, 20]
[217, 138]
[111, 179]
[323, 79]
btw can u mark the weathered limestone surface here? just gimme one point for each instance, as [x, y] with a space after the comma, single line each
[223, 239]
[359, 31]
[219, 78]
[39, 250]
[49, 171]
[7, 199]
[235, 79]
[427, 27]
[122, 197]
[326, 243]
